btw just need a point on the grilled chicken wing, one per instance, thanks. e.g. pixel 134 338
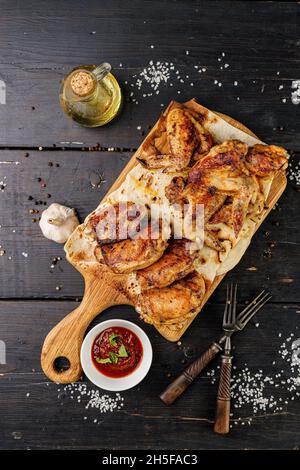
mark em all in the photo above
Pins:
pixel 176 263
pixel 205 140
pixel 184 134
pixel 224 170
pixel 173 304
pixel 219 173
pixel 129 255
pixel 220 167
pixel 264 160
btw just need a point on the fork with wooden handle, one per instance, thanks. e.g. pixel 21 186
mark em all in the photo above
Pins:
pixel 184 380
pixel 221 425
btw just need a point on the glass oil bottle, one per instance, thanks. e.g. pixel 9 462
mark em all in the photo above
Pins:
pixel 91 95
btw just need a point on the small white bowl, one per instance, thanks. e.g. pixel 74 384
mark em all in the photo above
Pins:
pixel 121 383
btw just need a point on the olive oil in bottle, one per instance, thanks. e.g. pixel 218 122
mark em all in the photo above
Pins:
pixel 91 95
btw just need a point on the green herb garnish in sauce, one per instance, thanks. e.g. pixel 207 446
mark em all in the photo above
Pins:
pixel 105 360
pixel 113 357
pixel 113 339
pixel 122 351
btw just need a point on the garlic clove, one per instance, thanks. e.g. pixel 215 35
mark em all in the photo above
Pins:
pixel 58 222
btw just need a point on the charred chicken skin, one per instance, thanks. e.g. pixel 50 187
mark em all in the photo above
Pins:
pixel 220 173
pixel 118 222
pixel 173 304
pixel 126 240
pixel 175 264
pixel 132 254
pixel 264 160
pixel 185 136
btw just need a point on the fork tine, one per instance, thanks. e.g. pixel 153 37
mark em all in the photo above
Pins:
pixel 249 306
pixel 256 307
pixel 255 311
pixel 226 305
pixel 233 313
pixel 247 311
pixel 229 306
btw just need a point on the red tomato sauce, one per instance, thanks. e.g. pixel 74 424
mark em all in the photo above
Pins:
pixel 116 352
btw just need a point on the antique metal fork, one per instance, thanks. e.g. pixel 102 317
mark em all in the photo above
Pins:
pixel 184 380
pixel 221 425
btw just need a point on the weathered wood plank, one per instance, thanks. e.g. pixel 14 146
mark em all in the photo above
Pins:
pixel 48 418
pixel 70 183
pixel 42 41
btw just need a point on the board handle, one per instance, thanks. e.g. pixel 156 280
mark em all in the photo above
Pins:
pixel 65 339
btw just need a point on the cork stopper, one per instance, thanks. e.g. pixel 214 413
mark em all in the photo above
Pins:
pixel 82 83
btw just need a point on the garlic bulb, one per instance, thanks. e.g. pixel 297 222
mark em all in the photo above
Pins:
pixel 58 222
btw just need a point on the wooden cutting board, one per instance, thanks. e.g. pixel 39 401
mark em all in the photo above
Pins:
pixel 102 290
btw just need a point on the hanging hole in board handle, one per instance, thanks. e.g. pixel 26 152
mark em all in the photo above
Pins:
pixel 61 364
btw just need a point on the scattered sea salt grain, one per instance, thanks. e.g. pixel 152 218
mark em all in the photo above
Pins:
pixel 294 172
pixel 157 75
pixel 256 390
pixel 283 100
pixel 91 398
pixel 280 87
pixel 226 66
pixel 235 83
pixel 24 254
pixel 154 75
pixel 295 95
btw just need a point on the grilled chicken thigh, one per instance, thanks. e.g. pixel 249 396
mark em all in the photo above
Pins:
pixel 132 254
pixel 126 240
pixel 173 304
pixel 176 263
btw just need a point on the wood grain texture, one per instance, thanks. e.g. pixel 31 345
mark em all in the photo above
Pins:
pixel 49 418
pixel 42 41
pixel 222 419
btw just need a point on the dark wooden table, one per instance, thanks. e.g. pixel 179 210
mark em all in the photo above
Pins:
pixel 45 157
